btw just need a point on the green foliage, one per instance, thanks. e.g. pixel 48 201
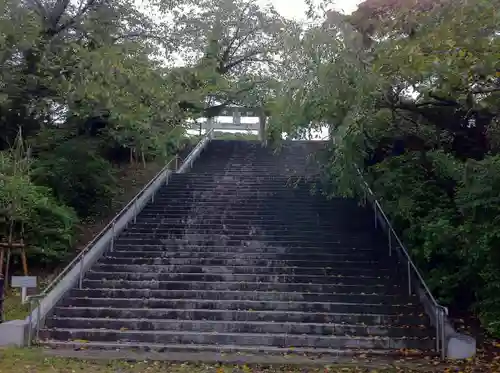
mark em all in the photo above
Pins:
pixel 30 212
pixel 78 177
pixel 409 92
pixel 94 83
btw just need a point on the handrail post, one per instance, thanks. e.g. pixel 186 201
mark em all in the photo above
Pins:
pixel 438 330
pixel 112 243
pixel 38 319
pixel 80 281
pixel 390 240
pixel 409 278
pixel 30 331
pixel 443 336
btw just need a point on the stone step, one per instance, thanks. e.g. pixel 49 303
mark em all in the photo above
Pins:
pixel 208 326
pixel 155 223
pixel 236 177
pixel 320 220
pixel 297 216
pixel 280 170
pixel 265 355
pixel 238 295
pixel 197 225
pixel 338 272
pixel 218 238
pixel 241 189
pixel 242 202
pixel 203 221
pixel 222 184
pixel 277 316
pixel 250 305
pixel 154 211
pixel 389 290
pixel 254 230
pixel 229 211
pixel 254 248
pixel 226 169
pixel 220 218
pixel 239 339
pixel 247 187
pixel 288 195
pixel 240 261
pixel 326 220
pixel 223 240
pixel 241 206
pixel 94 274
pixel 255 233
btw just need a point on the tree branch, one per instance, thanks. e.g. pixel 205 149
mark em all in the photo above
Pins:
pixel 82 10
pixel 39 7
pixel 137 34
pixel 239 61
pixel 477 91
pixel 57 12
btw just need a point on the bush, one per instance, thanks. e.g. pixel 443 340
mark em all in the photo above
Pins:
pixel 30 212
pixel 78 176
pixel 448 213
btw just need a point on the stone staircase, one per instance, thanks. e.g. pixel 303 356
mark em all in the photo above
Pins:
pixel 231 258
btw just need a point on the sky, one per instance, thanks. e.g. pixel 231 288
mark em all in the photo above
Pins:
pixel 297 8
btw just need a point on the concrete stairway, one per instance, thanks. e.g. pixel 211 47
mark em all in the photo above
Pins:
pixel 231 258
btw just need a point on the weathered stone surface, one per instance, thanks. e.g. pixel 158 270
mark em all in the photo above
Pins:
pixel 237 255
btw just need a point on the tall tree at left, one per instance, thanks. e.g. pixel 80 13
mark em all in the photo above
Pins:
pixel 78 57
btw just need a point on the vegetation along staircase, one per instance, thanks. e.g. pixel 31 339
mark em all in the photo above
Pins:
pixel 232 258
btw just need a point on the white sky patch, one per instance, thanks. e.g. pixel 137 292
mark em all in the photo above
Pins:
pixel 296 9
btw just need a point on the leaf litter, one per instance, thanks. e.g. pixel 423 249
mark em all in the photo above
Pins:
pixel 37 361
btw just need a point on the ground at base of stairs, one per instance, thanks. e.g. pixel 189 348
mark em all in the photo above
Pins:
pixel 41 361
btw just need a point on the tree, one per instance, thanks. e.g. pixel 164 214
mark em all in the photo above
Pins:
pixel 78 78
pixel 411 97
pixel 82 59
pixel 229 46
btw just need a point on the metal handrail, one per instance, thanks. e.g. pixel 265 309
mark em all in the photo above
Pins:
pixel 440 312
pixel 108 226
pixel 80 258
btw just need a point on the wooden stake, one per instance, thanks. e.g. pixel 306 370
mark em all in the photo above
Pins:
pixel 23 252
pixel 2 253
pixel 7 264
pixel 25 261
pixel 12 245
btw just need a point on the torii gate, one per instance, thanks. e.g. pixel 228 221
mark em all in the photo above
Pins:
pixel 236 112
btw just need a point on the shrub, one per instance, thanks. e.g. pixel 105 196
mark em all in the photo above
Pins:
pixel 78 176
pixel 31 212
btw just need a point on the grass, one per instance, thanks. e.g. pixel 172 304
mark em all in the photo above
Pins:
pixel 35 361
pixel 12 307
